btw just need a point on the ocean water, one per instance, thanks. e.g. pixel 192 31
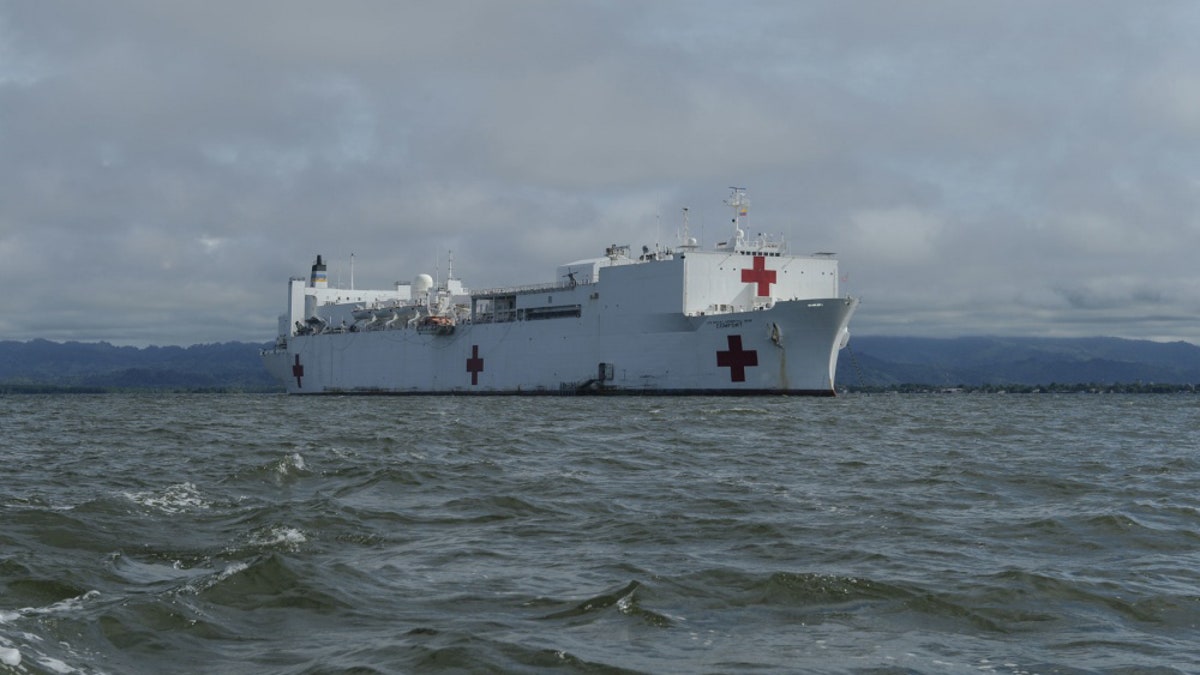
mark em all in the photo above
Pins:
pixel 863 534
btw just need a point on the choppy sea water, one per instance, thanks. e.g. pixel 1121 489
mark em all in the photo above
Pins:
pixel 863 534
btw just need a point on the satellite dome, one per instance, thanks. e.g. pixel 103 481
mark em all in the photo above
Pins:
pixel 421 284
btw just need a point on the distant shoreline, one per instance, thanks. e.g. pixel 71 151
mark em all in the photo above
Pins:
pixel 54 389
pixel 1132 388
pixel 1053 388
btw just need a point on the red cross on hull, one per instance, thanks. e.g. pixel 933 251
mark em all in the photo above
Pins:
pixel 474 364
pixel 759 274
pixel 298 372
pixel 737 359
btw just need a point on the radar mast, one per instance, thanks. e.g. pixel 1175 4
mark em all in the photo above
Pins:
pixel 740 205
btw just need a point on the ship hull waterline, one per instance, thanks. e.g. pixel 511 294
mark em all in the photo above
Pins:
pixel 788 349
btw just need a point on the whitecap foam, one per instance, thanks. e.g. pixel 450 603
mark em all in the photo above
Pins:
pixel 55 665
pixel 293 462
pixel 287 468
pixel 287 537
pixel 233 569
pixel 172 499
pixel 69 604
pixel 201 584
pixel 10 654
pixel 625 604
pixel 66 605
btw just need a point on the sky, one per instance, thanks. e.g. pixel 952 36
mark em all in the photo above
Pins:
pixel 1015 167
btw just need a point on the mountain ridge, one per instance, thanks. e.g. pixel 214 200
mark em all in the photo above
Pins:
pixel 882 361
pixel 100 365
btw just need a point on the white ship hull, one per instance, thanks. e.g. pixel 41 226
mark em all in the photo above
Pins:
pixel 789 349
pixel 742 318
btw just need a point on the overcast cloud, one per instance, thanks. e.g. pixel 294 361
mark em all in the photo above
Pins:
pixel 1010 167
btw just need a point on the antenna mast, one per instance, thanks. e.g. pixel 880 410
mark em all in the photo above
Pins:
pixel 685 239
pixel 740 205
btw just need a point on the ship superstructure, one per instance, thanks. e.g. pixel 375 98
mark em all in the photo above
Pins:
pixel 743 317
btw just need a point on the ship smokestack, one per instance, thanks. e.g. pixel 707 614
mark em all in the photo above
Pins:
pixel 318 278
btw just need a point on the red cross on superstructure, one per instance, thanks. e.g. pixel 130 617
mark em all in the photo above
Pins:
pixel 737 359
pixel 298 372
pixel 761 275
pixel 474 364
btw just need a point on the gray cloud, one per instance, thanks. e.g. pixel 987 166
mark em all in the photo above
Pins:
pixel 1009 167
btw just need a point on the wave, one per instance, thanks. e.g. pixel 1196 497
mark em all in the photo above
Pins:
pixel 861 534
pixel 438 651
pixel 171 499
pixel 282 470
pixel 278 537
pixel 270 582
pixel 623 600
pixel 23 651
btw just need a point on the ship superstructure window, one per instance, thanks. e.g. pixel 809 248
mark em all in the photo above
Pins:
pixel 556 312
pixel 494 309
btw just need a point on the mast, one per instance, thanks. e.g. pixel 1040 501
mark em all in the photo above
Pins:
pixel 740 205
pixel 686 241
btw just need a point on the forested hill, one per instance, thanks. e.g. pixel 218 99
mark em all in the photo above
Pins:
pixel 870 361
pixel 976 361
pixel 99 365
